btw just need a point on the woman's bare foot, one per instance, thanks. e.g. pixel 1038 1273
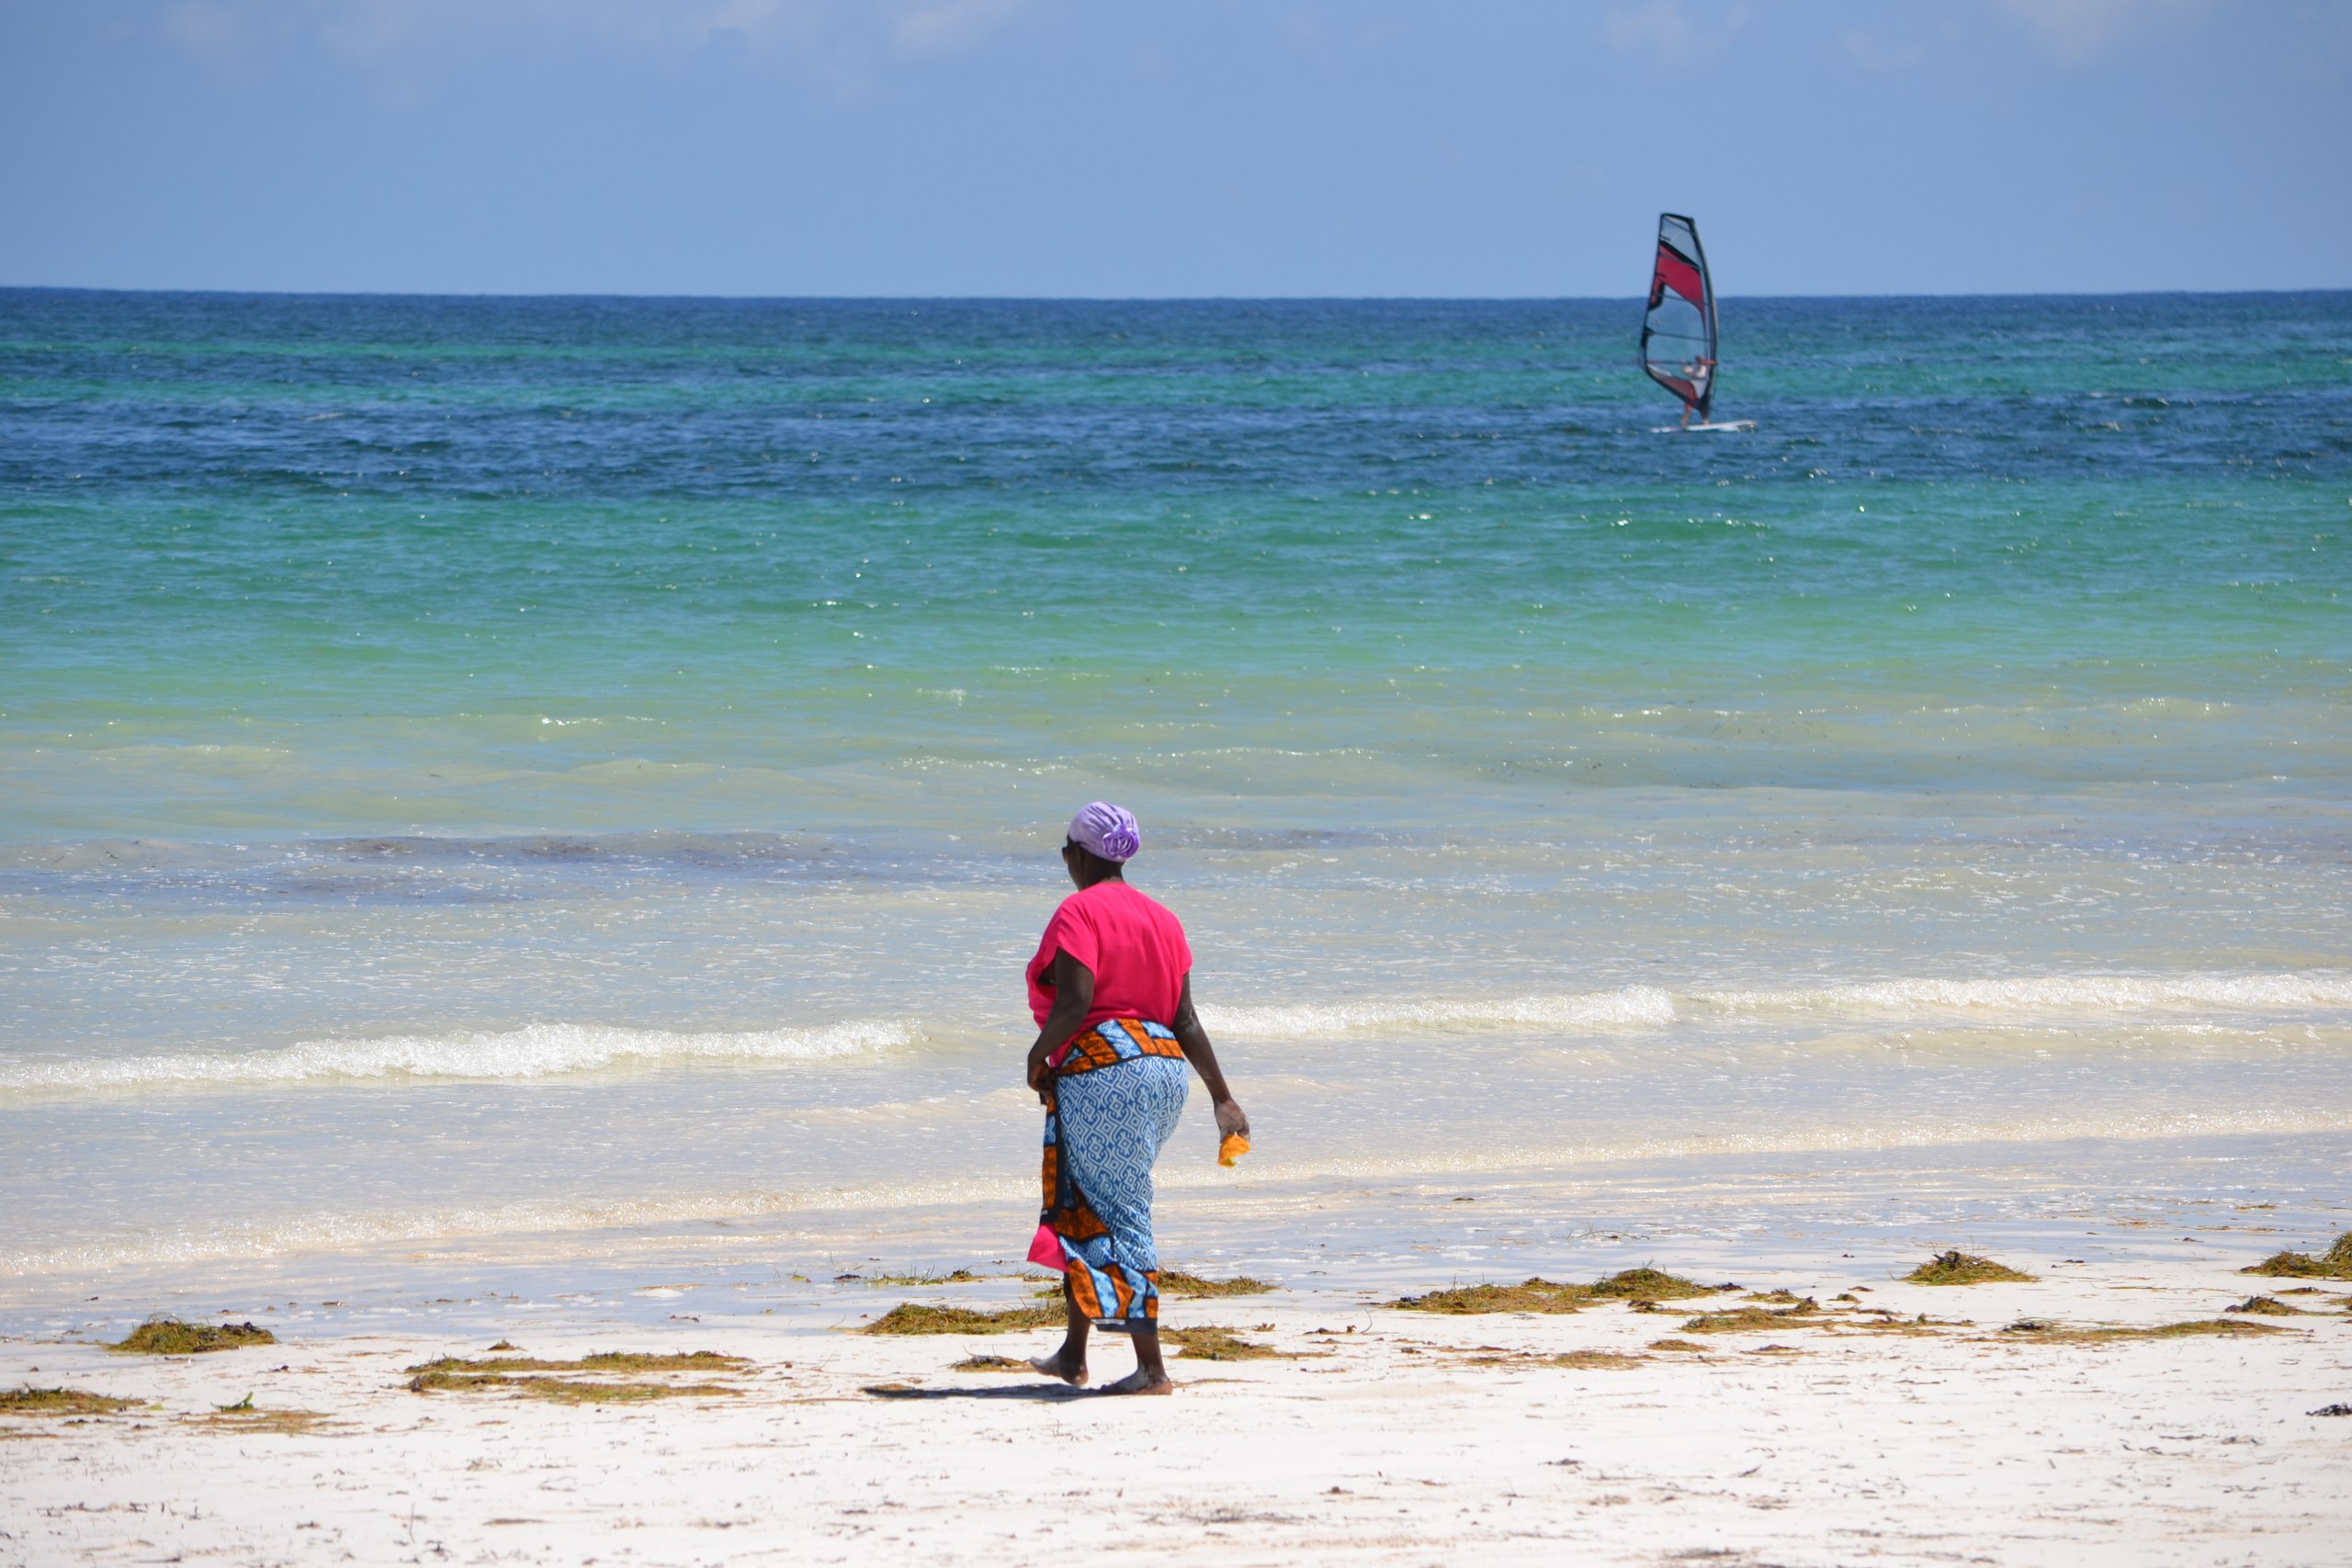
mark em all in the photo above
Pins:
pixel 1139 1382
pixel 1060 1364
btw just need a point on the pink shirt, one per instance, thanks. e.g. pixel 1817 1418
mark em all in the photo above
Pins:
pixel 1133 944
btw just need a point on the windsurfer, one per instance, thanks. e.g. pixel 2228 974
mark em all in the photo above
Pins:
pixel 1693 371
pixel 1678 347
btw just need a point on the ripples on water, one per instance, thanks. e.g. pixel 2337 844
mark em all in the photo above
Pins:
pixel 442 737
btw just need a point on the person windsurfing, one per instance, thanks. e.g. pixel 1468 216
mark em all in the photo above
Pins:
pixel 1678 347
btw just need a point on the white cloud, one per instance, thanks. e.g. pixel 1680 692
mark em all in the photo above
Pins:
pixel 2077 29
pixel 1662 29
pixel 1654 26
pixel 410 35
pixel 955 25
pixel 203 29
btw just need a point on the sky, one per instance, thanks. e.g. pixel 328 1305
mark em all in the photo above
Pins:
pixel 1172 147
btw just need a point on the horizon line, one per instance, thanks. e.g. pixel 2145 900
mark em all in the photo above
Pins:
pixel 7 288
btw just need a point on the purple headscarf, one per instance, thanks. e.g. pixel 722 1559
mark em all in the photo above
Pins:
pixel 1107 831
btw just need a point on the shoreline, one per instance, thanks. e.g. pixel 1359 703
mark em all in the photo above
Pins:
pixel 2237 1193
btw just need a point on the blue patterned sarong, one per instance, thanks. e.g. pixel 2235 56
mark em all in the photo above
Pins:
pixel 1115 1102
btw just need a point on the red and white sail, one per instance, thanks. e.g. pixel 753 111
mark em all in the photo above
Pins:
pixel 1678 328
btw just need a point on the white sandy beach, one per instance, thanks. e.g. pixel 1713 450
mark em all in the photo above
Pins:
pixel 1387 1436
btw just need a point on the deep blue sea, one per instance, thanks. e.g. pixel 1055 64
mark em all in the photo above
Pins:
pixel 514 767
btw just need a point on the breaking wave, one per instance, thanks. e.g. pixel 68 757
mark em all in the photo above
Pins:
pixel 545 1050
pixel 2088 997
pixel 1634 1007
pixel 534 1051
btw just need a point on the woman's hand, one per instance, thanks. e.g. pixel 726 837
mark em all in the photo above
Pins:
pixel 1230 1119
pixel 1038 1072
pixel 1186 1026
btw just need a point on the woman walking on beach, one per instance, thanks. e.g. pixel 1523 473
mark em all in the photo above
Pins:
pixel 1111 987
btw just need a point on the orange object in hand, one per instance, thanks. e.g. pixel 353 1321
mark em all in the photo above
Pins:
pixel 1234 1146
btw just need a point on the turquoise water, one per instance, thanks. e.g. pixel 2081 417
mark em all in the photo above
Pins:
pixel 488 766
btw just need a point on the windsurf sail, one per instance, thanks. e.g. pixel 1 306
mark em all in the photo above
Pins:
pixel 1678 329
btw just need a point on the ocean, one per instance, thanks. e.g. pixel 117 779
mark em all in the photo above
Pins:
pixel 542 779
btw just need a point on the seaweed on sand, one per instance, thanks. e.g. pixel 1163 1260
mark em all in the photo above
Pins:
pixel 1176 1282
pixel 1676 1345
pixel 170 1337
pixel 1496 1356
pixel 30 1400
pixel 1957 1267
pixel 1536 1295
pixel 246 1417
pixel 993 1364
pixel 602 1361
pixel 1647 1284
pixel 916 1317
pixel 2268 1306
pixel 567 1390
pixel 1806 1312
pixel 1632 1285
pixel 587 1382
pixel 1878 1320
pixel 2039 1329
pixel 1216 1343
pixel 903 1281
pixel 1754 1315
pixel 2336 1263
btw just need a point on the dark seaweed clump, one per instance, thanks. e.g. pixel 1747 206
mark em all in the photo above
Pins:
pixel 30 1400
pixel 1545 1296
pixel 1957 1267
pixel 914 1317
pixel 1646 1284
pixel 1534 1295
pixel 586 1384
pixel 1215 1344
pixel 601 1361
pixel 2336 1263
pixel 170 1336
pixel 2042 1328
pixel 1176 1282
pixel 1805 1312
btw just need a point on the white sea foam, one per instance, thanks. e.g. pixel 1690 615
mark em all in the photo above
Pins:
pixel 543 1050
pixel 556 1223
pixel 2084 997
pixel 534 1051
pixel 1634 1006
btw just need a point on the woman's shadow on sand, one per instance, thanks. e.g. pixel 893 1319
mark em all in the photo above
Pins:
pixel 1046 1392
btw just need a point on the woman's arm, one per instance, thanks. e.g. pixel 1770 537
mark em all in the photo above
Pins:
pixel 1073 988
pixel 1203 1055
